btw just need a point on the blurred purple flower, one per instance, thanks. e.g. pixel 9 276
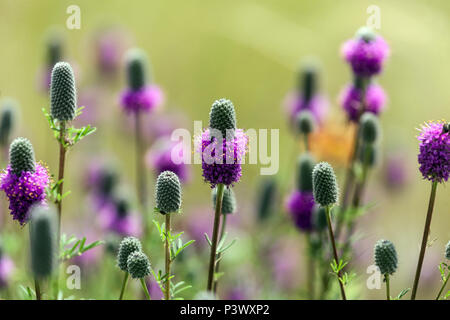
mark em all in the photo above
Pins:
pixel 350 100
pixel 300 205
pixel 284 259
pixel 110 45
pixel 115 216
pixel 199 222
pixel 6 270
pixel 153 289
pixel 236 293
pixel 396 171
pixel 146 99
pixel 294 103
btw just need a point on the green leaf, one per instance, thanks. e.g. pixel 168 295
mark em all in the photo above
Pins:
pixel 402 293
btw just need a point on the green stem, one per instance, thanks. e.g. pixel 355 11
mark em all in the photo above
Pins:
pixel 311 269
pixel 124 285
pixel 388 295
pixel 306 142
pixel 144 286
pixel 222 233
pixel 443 286
pixel 333 244
pixel 168 257
pixel 141 181
pixel 426 231
pixel 215 236
pixel 37 289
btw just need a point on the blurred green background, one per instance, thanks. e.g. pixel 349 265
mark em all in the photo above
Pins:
pixel 249 51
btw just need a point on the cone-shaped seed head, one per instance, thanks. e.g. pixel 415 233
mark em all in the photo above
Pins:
pixel 447 251
pixel 370 128
pixel 127 247
pixel 305 122
pixel 136 64
pixel 43 241
pixel 168 192
pixel 385 257
pixel 308 81
pixel 325 188
pixel 366 34
pixel 63 93
pixel 369 152
pixel 305 166
pixel 266 198
pixel 228 201
pixel 54 49
pixel 7 120
pixel 222 116
pixel 138 265
pixel 21 156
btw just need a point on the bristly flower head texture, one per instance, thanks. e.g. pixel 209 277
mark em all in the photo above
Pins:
pixel 24 180
pixel 139 96
pixel 63 93
pixel 447 251
pixel 228 200
pixel 127 247
pixel 325 188
pixel 350 100
pixel 222 146
pixel 138 265
pixel 434 154
pixel 301 205
pixel 168 192
pixel 370 128
pixel 43 241
pixel 385 257
pixel 366 53
pixel 7 120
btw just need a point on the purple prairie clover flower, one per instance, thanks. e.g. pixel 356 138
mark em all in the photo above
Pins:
pixel 144 99
pixel 110 44
pixel 318 105
pixel 6 270
pixel 434 155
pixel 116 217
pixel 350 100
pixel 225 167
pixel 25 190
pixel 366 53
pixel 159 157
pixel 300 205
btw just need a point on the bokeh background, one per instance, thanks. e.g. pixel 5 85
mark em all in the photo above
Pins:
pixel 249 52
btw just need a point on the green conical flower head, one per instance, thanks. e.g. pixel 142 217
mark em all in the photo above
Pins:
pixel 136 64
pixel 54 49
pixel 305 166
pixel 127 247
pixel 369 152
pixel 305 122
pixel 138 265
pixel 366 34
pixel 266 198
pixel 168 192
pixel 7 120
pixel 222 116
pixel 447 251
pixel 63 93
pixel 43 241
pixel 325 188
pixel 385 257
pixel 21 156
pixel 370 128
pixel 228 200
pixel 308 81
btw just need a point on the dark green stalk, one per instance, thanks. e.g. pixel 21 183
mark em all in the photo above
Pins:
pixel 426 231
pixel 222 232
pixel 336 258
pixel 124 285
pixel 215 236
pixel 37 289
pixel 443 286
pixel 62 160
pixel 388 295
pixel 168 258
pixel 144 286
pixel 311 269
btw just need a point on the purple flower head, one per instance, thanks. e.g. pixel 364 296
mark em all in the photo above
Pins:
pixel 365 53
pixel 396 171
pixel 116 216
pixel 110 46
pixel 318 105
pixel 144 99
pixel 301 206
pixel 221 160
pixel 6 270
pixel 350 100
pixel 434 155
pixel 25 190
pixel 159 157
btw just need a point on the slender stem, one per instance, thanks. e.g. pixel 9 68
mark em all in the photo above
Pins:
pixel 144 286
pixel 388 295
pixel 311 269
pixel 215 236
pixel 62 161
pixel 426 231
pixel 222 233
pixel 443 286
pixel 141 184
pixel 37 289
pixel 124 285
pixel 333 244
pixel 168 258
